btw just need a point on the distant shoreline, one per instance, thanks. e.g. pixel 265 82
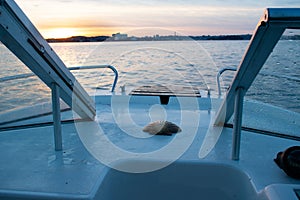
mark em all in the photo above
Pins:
pixel 159 38
pixel 149 38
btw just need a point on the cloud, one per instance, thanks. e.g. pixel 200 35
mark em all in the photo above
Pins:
pixel 190 16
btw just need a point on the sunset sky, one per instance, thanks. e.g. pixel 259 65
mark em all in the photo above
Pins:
pixel 65 18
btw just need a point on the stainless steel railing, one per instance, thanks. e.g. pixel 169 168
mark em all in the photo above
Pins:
pixel 100 66
pixel 221 71
pixel 27 75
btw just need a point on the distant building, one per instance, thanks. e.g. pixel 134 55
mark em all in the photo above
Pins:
pixel 119 36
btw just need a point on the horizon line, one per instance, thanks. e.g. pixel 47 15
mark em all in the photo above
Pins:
pixel 150 36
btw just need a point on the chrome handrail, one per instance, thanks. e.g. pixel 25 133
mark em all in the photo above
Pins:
pixel 221 71
pixel 15 77
pixel 27 75
pixel 98 67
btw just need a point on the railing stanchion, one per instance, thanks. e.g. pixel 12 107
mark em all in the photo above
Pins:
pixel 56 117
pixel 237 123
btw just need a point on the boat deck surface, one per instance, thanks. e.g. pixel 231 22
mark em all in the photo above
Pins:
pixel 29 163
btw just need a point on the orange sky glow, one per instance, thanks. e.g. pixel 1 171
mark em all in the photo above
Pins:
pixel 65 18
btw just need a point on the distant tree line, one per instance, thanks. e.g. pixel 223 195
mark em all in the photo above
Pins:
pixel 162 38
pixel 222 37
pixel 79 39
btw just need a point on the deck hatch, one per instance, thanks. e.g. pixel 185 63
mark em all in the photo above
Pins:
pixel 165 92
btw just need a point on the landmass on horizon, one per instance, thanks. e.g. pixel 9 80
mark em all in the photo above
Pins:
pixel 125 37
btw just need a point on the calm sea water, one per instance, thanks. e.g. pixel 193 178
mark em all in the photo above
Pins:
pixel 159 62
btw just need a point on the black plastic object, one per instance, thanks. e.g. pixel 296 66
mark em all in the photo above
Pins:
pixel 289 161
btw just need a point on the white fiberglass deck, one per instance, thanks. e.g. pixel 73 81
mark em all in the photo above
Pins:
pixel 186 165
pixel 29 166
